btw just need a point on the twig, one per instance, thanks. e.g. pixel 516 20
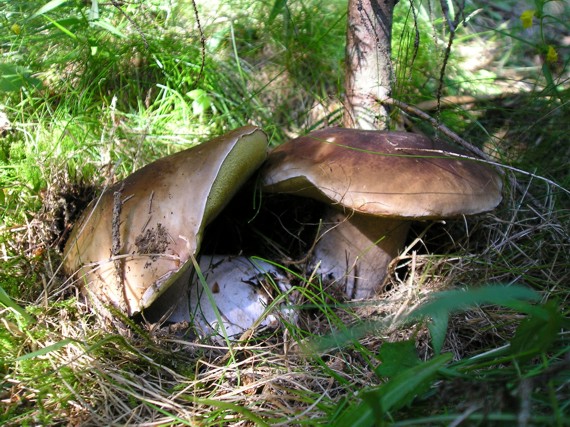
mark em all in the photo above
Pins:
pixel 453 100
pixel 490 162
pixel 118 5
pixel 442 128
pixel 452 27
pixel 202 44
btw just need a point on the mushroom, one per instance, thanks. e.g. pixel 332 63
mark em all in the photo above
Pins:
pixel 241 289
pixel 375 183
pixel 138 238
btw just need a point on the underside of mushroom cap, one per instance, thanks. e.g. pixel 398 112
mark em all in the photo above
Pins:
pixel 135 240
pixel 393 174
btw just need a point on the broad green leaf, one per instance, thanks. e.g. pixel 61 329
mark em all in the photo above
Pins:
pixel 346 335
pixel 6 301
pixel 455 300
pixel 439 305
pixel 401 389
pixel 106 25
pixel 196 93
pixel 201 101
pixel 438 329
pixel 45 350
pixel 397 357
pixel 359 415
pixel 277 8
pixel 14 77
pixel 48 7
pixel 536 334
pixel 392 395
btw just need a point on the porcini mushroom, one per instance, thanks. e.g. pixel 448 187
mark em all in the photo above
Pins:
pixel 375 183
pixel 134 241
pixel 238 294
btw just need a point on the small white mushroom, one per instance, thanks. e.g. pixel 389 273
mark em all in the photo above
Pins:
pixel 137 239
pixel 241 289
pixel 375 183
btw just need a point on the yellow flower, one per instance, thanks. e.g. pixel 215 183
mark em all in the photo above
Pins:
pixel 551 55
pixel 16 29
pixel 526 18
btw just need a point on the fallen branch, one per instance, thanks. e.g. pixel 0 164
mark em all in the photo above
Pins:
pixel 436 124
pixel 455 100
pixel 470 147
pixel 490 162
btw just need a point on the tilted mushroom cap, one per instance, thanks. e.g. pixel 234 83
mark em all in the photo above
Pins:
pixel 159 214
pixel 394 174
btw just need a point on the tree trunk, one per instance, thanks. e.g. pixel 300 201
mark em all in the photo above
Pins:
pixel 368 63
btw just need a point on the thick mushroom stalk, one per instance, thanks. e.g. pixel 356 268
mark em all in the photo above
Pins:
pixel 354 249
pixel 137 239
pixel 377 182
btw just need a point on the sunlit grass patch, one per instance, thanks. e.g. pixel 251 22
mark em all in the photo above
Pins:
pixel 116 98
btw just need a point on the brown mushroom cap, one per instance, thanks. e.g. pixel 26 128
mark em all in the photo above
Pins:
pixel 393 174
pixel 165 207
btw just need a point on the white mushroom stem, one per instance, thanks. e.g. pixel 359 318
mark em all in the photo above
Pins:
pixel 355 250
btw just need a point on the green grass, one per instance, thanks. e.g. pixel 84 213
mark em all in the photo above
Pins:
pixel 122 90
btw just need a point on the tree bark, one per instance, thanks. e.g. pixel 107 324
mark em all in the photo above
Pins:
pixel 369 74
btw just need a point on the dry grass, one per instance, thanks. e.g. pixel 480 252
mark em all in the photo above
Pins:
pixel 70 368
pixel 146 375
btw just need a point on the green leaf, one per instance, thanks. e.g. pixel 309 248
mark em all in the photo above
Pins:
pixel 277 8
pixel 45 350
pixel 548 77
pixel 60 26
pixel 401 389
pixel 438 329
pixel 6 301
pixel 392 395
pixel 397 357
pixel 201 101
pixel 536 334
pixel 455 300
pixel 48 7
pixel 196 93
pixel 439 305
pixel 14 77
pixel 360 415
pixel 106 25
pixel 212 301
